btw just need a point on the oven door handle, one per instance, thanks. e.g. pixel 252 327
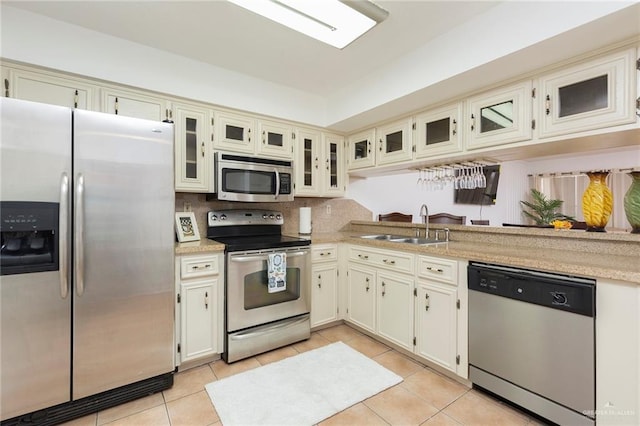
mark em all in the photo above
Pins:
pixel 268 329
pixel 265 256
pixel 277 183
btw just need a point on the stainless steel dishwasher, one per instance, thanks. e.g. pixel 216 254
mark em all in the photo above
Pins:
pixel 532 340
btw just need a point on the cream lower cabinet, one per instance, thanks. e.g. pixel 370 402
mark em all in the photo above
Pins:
pixel 324 284
pixel 617 353
pixel 380 293
pixel 199 306
pixel 441 313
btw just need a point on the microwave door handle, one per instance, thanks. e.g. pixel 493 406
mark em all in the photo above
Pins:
pixel 277 183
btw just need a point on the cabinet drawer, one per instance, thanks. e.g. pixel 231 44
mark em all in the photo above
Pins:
pixel 324 253
pixel 198 266
pixel 443 270
pixel 391 260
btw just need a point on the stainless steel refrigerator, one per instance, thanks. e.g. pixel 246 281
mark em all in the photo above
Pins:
pixel 86 272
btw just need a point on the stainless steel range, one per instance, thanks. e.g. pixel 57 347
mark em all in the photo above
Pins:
pixel 268 278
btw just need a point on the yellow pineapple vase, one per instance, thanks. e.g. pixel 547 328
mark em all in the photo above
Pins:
pixel 597 202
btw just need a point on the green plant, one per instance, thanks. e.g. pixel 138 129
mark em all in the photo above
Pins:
pixel 543 210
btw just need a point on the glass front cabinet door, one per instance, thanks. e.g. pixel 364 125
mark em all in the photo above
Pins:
pixel 394 142
pixel 439 131
pixel 275 139
pixel 334 174
pixel 500 116
pixel 192 157
pixel 589 95
pixel 234 132
pixel 362 151
pixel 308 152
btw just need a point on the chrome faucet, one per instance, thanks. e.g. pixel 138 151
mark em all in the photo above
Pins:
pixel 424 213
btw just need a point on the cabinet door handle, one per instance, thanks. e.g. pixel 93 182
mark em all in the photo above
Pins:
pixel 75 99
pixel 454 127
pixel 369 146
pixel 206 300
pixel 362 256
pixel 367 281
pixel 429 268
pixel 316 162
pixel 547 105
pixel 426 301
pixel 473 122
pixel 264 138
pixel 319 281
pixel 202 149
pixel 389 262
pixel 327 164
pixel 383 289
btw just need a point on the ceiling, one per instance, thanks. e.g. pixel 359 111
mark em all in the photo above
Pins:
pixel 228 36
pixel 426 51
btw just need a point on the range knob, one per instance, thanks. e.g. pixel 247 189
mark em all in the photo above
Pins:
pixel 559 298
pixel 223 216
pixel 278 217
pixel 214 217
pixel 264 216
pixel 271 216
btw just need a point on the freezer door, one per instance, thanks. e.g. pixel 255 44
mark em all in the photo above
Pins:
pixel 124 247
pixel 35 307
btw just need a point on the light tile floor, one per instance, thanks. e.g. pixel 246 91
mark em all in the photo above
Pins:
pixel 423 398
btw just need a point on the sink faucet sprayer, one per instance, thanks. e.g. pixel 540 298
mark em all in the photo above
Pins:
pixel 424 213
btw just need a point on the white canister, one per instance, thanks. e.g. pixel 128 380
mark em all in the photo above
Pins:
pixel 305 220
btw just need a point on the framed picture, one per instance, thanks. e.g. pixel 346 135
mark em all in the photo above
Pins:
pixel 186 227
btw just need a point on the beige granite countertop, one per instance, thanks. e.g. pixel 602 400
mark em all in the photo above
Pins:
pixel 205 245
pixel 622 265
pixel 605 266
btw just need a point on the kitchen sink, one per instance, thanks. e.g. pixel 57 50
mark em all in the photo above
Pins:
pixel 418 241
pixel 402 239
pixel 387 237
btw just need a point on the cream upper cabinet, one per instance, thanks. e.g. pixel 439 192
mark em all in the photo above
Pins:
pixel 234 132
pixel 587 96
pixel 275 139
pixel 333 176
pixel 500 116
pixel 134 104
pixel 361 150
pixel 439 131
pixel 394 142
pixel 308 153
pixel 319 164
pixel 193 159
pixel 48 89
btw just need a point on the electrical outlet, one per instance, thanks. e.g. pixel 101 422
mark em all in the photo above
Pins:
pixel 187 207
pixel 328 209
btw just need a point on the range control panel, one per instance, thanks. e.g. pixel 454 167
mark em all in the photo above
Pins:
pixel 244 217
pixel 573 294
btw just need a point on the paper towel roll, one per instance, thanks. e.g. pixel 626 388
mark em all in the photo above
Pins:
pixel 305 220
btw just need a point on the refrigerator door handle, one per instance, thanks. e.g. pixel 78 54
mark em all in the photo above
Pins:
pixel 63 229
pixel 79 235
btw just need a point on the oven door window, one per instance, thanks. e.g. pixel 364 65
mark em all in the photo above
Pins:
pixel 248 181
pixel 256 294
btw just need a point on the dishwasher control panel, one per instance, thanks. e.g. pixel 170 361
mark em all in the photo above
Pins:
pixel 572 294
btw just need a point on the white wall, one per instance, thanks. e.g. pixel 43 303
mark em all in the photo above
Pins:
pixel 399 192
pixel 38 40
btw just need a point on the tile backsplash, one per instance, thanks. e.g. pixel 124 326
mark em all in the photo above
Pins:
pixel 327 214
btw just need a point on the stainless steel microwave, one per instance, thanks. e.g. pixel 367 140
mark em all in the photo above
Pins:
pixel 253 179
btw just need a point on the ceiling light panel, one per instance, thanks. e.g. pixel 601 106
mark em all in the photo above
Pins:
pixel 329 21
